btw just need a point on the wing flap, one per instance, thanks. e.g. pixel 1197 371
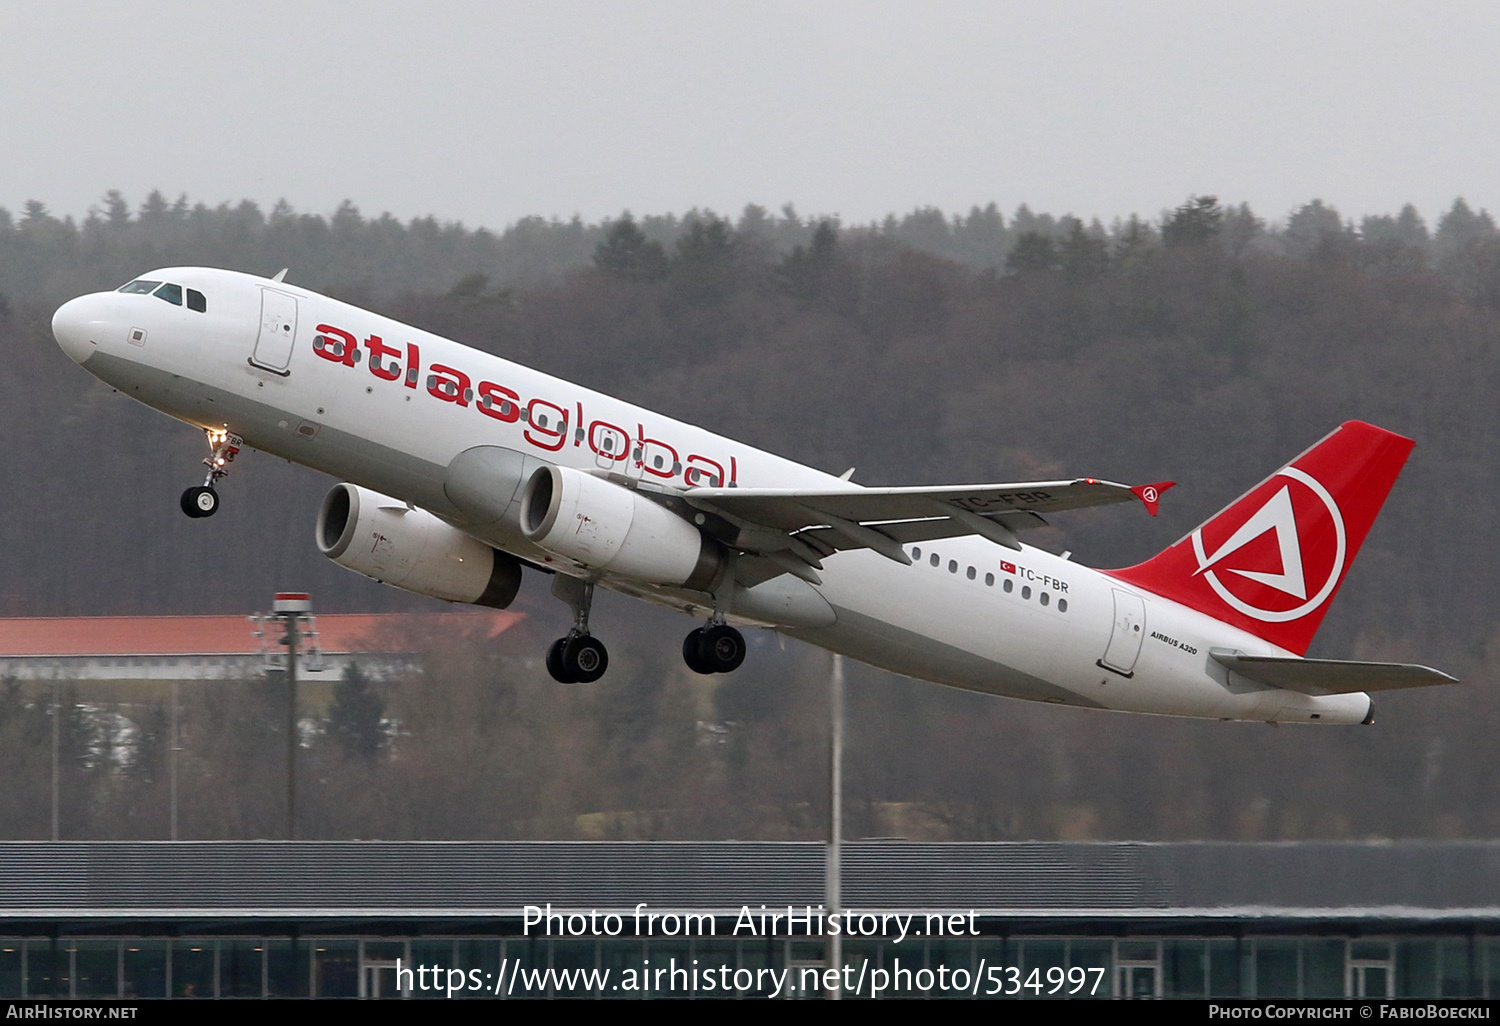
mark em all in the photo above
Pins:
pixel 1329 676
pixel 933 529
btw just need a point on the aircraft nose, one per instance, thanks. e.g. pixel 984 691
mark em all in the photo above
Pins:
pixel 76 325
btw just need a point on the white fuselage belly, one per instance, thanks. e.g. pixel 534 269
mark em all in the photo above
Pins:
pixel 922 620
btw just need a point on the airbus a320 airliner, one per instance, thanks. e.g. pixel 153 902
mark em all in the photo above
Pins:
pixel 461 469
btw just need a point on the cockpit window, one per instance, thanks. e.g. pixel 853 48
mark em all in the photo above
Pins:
pixel 196 301
pixel 140 286
pixel 171 293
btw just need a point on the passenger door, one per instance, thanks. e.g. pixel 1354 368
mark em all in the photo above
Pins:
pixel 1125 638
pixel 278 330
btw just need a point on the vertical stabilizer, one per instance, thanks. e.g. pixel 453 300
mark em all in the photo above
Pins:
pixel 1272 561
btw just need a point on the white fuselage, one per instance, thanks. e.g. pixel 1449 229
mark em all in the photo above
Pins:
pixel 949 617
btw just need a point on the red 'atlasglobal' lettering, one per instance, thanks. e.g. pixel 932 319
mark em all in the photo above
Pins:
pixel 696 474
pixel 609 441
pixel 656 463
pixel 413 364
pixel 499 402
pixel 334 344
pixel 449 385
pixel 547 422
pixel 378 352
pixel 554 431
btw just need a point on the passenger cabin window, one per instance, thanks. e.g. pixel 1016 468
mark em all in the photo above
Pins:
pixel 140 287
pixel 197 301
pixel 171 293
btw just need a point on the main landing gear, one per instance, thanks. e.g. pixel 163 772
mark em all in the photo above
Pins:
pixel 579 658
pixel 203 500
pixel 717 648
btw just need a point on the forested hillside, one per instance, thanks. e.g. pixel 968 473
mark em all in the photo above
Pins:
pixel 1206 345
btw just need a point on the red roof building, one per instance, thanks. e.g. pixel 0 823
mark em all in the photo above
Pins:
pixel 217 647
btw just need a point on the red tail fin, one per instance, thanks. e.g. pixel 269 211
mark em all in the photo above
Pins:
pixel 1271 562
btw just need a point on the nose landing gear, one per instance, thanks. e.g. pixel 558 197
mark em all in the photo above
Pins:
pixel 579 658
pixel 203 500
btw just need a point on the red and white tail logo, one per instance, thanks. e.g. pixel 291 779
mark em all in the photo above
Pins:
pixel 1271 562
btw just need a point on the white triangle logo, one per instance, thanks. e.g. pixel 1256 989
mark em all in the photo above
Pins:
pixel 1276 515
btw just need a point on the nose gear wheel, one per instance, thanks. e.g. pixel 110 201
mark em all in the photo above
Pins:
pixel 203 501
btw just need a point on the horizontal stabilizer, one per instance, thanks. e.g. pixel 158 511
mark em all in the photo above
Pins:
pixel 1329 676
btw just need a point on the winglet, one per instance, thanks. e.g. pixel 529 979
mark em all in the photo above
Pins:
pixel 1150 494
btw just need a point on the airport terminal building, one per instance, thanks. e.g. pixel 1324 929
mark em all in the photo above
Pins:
pixel 691 919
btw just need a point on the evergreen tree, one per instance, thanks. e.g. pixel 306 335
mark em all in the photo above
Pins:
pixel 1032 252
pixel 707 258
pixel 116 211
pixel 1083 255
pixel 1133 238
pixel 1240 228
pixel 805 269
pixel 356 717
pixel 1317 232
pixel 1464 247
pixel 1395 243
pixel 627 252
pixel 1195 222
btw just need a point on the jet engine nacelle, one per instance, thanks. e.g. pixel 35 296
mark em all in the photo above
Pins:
pixel 603 526
pixel 397 544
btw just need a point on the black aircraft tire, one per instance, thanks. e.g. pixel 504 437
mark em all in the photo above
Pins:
pixel 691 649
pixel 585 658
pixel 556 665
pixel 721 648
pixel 200 502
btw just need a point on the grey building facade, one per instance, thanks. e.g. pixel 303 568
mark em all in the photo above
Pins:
pixel 365 918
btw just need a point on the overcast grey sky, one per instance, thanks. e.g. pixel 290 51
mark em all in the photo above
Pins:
pixel 486 112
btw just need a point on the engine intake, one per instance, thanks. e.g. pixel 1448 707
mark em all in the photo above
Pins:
pixel 409 548
pixel 603 526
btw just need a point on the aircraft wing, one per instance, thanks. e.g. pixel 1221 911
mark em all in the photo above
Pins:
pixel 796 528
pixel 1330 676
